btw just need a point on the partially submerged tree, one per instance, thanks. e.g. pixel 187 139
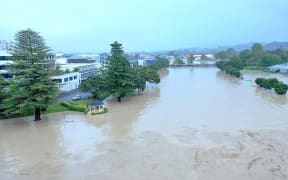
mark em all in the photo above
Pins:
pixel 159 64
pixel 97 86
pixel 143 75
pixel 270 60
pixel 31 88
pixel 118 73
pixel 190 59
pixel 178 61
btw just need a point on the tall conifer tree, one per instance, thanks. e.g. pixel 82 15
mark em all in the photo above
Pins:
pixel 31 88
pixel 118 73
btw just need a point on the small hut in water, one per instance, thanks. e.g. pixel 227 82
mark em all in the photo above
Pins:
pixel 96 106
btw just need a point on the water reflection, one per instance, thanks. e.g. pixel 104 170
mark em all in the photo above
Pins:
pixel 221 76
pixel 25 143
pixel 270 96
pixel 163 73
pixel 118 123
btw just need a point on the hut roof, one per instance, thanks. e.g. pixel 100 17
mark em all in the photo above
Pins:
pixel 97 103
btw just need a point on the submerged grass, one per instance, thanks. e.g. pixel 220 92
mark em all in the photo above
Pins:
pixel 256 68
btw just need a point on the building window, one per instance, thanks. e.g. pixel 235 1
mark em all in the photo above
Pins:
pixel 57 80
pixel 65 79
pixel 70 78
pixel 75 77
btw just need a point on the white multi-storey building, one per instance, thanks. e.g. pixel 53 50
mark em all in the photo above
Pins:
pixel 5 61
pixel 68 81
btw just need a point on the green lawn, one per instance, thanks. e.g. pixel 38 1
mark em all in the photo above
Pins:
pixel 56 107
pixel 255 68
pixel 84 101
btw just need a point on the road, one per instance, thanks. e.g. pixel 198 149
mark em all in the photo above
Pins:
pixel 69 96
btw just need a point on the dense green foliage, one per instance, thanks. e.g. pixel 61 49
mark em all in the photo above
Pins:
pixel 233 66
pixel 178 61
pixel 272 83
pixel 118 73
pixel 143 75
pixel 159 64
pixel 97 86
pixel 31 88
pixel 119 78
pixel 256 57
pixel 270 60
pixel 281 88
pixel 223 55
pixel 103 94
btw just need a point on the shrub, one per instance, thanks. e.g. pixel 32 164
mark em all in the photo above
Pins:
pixel 229 67
pixel 273 83
pixel 265 84
pixel 236 73
pixel 281 88
pixel 259 81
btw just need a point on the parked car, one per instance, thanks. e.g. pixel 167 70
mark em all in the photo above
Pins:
pixel 77 97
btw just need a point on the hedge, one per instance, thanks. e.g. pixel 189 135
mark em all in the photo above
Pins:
pixel 281 88
pixel 272 83
pixel 228 68
pixel 76 107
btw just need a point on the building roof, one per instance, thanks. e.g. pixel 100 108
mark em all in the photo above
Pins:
pixel 97 103
pixel 77 57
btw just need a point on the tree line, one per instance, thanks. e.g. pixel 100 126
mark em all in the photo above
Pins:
pixel 256 57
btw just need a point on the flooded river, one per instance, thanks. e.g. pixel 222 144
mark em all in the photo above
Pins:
pixel 198 123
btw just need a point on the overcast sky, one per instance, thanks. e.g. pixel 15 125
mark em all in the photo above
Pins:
pixel 149 25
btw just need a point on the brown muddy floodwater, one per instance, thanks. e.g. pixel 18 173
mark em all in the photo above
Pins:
pixel 198 123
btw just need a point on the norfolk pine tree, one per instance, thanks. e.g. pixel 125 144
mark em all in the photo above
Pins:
pixel 118 73
pixel 32 87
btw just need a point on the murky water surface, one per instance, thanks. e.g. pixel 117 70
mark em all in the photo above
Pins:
pixel 198 123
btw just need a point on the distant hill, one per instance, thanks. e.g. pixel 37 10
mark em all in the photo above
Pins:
pixel 267 46
pixel 276 45
pixel 238 47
